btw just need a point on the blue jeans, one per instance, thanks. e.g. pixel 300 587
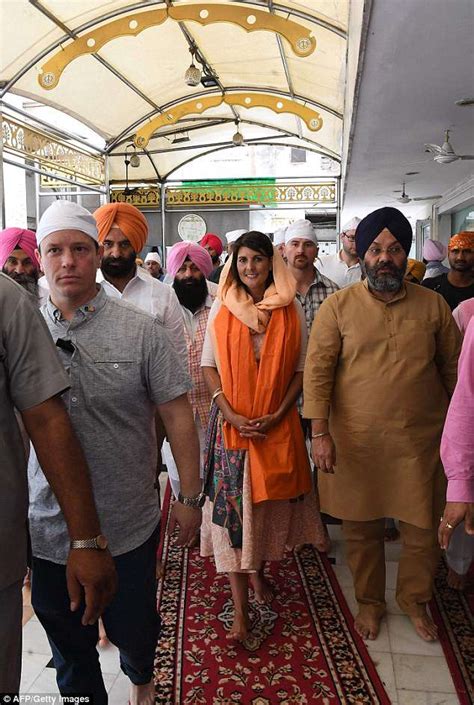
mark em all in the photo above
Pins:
pixel 131 622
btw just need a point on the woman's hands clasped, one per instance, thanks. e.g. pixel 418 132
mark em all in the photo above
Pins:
pixel 253 428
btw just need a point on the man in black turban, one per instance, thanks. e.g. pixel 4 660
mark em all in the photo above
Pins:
pixel 380 366
pixel 383 241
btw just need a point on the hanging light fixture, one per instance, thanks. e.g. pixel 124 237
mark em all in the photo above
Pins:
pixel 237 138
pixel 132 160
pixel 192 76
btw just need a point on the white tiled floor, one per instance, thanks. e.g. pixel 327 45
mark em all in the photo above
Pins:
pixel 413 672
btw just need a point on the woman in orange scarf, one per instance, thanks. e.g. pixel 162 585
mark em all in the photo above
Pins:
pixel 258 478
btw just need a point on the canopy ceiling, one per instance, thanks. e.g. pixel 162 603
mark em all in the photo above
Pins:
pixel 131 80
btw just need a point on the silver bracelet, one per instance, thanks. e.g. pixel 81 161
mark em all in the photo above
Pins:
pixel 320 435
pixel 216 394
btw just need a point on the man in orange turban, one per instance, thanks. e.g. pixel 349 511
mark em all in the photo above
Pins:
pixel 457 285
pixel 129 219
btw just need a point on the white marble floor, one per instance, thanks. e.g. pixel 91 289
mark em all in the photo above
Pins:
pixel 413 672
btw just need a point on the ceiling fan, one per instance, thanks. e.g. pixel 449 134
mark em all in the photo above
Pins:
pixel 405 198
pixel 445 154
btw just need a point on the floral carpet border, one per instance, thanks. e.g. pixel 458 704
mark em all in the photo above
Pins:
pixel 453 613
pixel 305 651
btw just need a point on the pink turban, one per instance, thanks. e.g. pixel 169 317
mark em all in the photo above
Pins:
pixel 13 238
pixel 213 241
pixel 184 250
pixel 434 251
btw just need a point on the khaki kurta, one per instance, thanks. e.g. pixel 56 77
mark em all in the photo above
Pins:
pixel 382 373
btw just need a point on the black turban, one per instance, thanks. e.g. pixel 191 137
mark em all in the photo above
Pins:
pixel 373 224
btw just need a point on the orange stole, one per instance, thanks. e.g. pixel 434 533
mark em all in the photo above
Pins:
pixel 279 465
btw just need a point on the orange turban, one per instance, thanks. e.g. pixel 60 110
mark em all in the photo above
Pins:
pixel 129 219
pixel 462 241
pixel 416 268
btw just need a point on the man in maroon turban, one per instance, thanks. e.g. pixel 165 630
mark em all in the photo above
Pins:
pixel 213 244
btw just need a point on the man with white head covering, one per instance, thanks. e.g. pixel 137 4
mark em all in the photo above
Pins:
pixel 232 236
pixel 312 288
pixel 153 265
pixel 301 250
pixel 344 266
pixel 122 367
pixel 32 379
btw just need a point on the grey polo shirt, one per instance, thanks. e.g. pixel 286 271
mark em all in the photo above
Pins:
pixel 30 373
pixel 121 365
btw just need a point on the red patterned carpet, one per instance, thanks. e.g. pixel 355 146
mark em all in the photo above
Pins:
pixel 302 647
pixel 453 612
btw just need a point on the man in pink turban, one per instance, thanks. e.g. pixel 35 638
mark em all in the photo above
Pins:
pixel 189 264
pixel 18 259
pixel 434 252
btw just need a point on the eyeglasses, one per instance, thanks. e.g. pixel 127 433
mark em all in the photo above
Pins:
pixel 393 250
pixel 351 238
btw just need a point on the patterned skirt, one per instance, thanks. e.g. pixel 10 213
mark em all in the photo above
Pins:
pixel 242 535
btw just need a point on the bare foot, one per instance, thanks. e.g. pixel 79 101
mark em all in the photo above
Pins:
pixel 142 694
pixel 103 640
pixel 262 588
pixel 239 629
pixel 456 581
pixel 324 546
pixel 425 627
pixel 367 625
pixel 391 533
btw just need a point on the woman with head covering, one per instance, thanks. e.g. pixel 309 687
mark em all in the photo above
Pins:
pixel 434 252
pixel 258 481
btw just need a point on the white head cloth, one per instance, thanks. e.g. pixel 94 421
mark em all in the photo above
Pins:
pixel 351 224
pixel 301 230
pixel 234 235
pixel 279 236
pixel 66 215
pixel 153 257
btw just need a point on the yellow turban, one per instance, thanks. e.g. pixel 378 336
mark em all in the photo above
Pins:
pixel 129 219
pixel 462 241
pixel 416 268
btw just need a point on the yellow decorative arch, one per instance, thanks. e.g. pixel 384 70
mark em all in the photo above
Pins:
pixel 299 37
pixel 312 118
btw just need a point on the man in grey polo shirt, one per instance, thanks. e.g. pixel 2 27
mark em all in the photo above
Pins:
pixel 31 377
pixel 121 368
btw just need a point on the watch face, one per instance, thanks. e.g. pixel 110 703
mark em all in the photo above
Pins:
pixel 102 542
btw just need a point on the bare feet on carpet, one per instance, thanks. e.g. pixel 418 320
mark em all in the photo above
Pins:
pixel 455 581
pixel 160 570
pixel 142 694
pixel 367 625
pixel 262 588
pixel 103 639
pixel 425 627
pixel 240 628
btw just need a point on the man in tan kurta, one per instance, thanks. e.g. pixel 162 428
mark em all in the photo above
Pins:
pixel 380 367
